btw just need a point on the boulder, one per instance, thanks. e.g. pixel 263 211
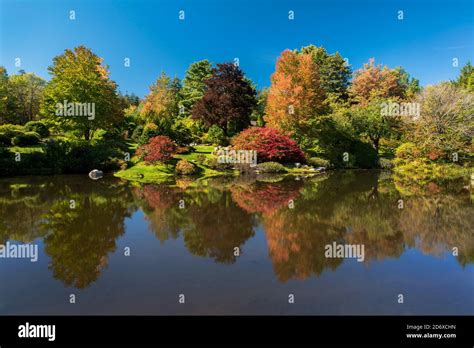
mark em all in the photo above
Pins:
pixel 96 174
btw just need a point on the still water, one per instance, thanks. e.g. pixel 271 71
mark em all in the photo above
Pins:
pixel 237 246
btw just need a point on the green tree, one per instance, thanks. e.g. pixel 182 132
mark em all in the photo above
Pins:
pixel 259 111
pixel 408 85
pixel 26 93
pixel 78 76
pixel 3 95
pixel 466 77
pixel 369 122
pixel 194 85
pixel 20 96
pixel 334 71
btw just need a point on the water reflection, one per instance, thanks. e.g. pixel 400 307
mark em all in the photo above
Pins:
pixel 78 222
pixel 214 217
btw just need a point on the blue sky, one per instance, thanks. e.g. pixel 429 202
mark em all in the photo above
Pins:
pixel 150 33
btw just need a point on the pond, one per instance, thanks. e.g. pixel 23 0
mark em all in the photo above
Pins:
pixel 242 245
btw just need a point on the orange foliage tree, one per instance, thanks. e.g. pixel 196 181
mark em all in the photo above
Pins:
pixel 374 81
pixel 295 95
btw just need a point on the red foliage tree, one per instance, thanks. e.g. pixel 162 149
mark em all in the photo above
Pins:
pixel 159 148
pixel 228 101
pixel 269 144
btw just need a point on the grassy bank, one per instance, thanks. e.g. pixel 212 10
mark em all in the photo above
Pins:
pixel 159 172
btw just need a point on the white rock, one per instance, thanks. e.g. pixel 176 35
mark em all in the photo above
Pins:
pixel 96 174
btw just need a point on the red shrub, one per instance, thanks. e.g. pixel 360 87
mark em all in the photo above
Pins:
pixel 269 144
pixel 159 148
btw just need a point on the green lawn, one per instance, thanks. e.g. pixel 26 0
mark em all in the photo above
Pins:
pixel 158 173
pixel 205 150
pixel 161 172
pixel 147 173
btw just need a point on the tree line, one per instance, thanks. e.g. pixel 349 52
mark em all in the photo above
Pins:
pixel 314 97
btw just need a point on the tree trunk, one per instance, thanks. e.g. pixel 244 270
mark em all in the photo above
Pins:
pixel 87 133
pixel 375 145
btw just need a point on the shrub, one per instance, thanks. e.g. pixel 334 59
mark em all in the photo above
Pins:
pixel 39 127
pixel 181 134
pixel 408 151
pixel 213 163
pixel 201 158
pixel 26 139
pixel 137 132
pixel 364 155
pixel 5 139
pixel 149 131
pixel 319 162
pixel 12 128
pixel 271 146
pixel 56 152
pixel 182 149
pixel 184 167
pixel 385 163
pixel 215 135
pixel 8 132
pixel 271 167
pixel 160 148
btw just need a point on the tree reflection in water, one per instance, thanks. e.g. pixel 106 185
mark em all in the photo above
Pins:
pixel 222 214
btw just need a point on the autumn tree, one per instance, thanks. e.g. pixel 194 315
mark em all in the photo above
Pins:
pixel 78 76
pixel 375 81
pixel 269 144
pixel 228 101
pixel 446 122
pixel 194 85
pixel 295 95
pixel 334 71
pixel 159 149
pixel 163 101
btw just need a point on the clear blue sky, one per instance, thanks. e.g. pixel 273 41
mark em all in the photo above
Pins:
pixel 256 31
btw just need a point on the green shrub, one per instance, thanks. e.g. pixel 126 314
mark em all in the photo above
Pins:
pixel 137 132
pixel 26 139
pixel 149 131
pixel 213 163
pixel 408 151
pixel 201 158
pixel 55 152
pixel 271 167
pixel 8 132
pixel 39 127
pixel 215 135
pixel 385 163
pixel 12 128
pixel 181 134
pixel 184 167
pixel 5 139
pixel 319 162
